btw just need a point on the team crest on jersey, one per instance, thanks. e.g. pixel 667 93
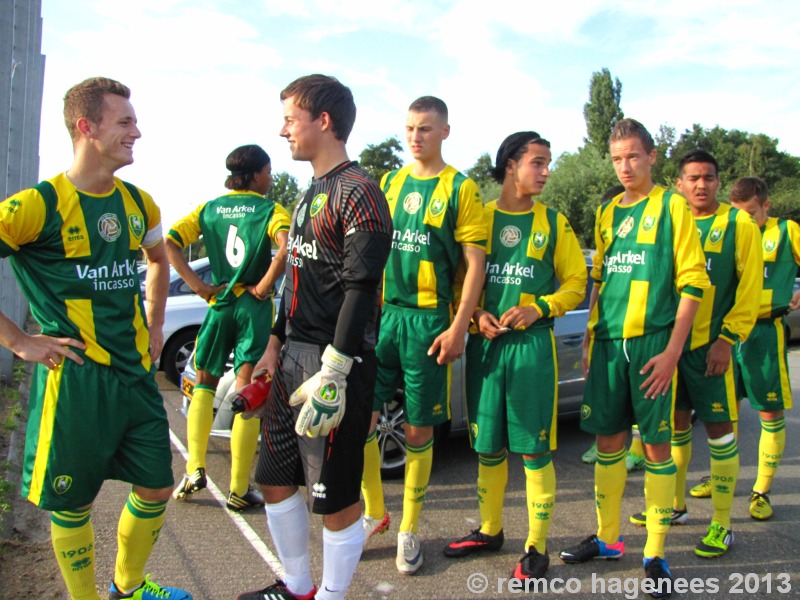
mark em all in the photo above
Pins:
pixel 412 202
pixel 301 215
pixel 436 207
pixel 769 246
pixel 317 203
pixel 715 235
pixel 510 236
pixel 61 484
pixel 539 240
pixel 625 227
pixel 473 428
pixel 137 226
pixel 109 227
pixel 585 411
pixel 648 223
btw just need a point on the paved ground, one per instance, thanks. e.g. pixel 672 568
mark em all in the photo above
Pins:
pixel 217 555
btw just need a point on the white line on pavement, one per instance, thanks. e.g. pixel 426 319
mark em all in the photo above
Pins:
pixel 244 527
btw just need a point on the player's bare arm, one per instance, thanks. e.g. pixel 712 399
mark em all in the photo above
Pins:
pixel 662 366
pixel 450 344
pixel 156 289
pixel 718 358
pixel 263 289
pixel 794 304
pixel 588 336
pixel 43 349
pixel 181 265
pixel 269 360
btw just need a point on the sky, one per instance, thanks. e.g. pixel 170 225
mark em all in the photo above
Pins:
pixel 206 75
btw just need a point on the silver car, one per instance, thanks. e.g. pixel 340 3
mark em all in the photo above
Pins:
pixel 568 330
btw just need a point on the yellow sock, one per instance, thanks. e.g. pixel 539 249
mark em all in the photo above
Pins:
pixel 610 476
pixel 736 429
pixel 139 526
pixel 636 442
pixel 770 451
pixel 371 485
pixel 540 487
pixel 198 426
pixel 492 480
pixel 418 473
pixel 244 441
pixel 681 454
pixel 659 490
pixel 724 474
pixel 73 543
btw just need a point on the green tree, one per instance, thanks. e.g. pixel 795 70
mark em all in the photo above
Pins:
pixel 481 173
pixel 602 111
pixel 285 189
pixel 577 183
pixel 379 159
pixel 665 170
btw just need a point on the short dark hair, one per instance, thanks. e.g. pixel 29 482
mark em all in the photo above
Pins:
pixel 85 100
pixel 324 94
pixel 430 104
pixel 748 187
pixel 512 148
pixel 612 192
pixel 243 163
pixel 631 128
pixel 697 156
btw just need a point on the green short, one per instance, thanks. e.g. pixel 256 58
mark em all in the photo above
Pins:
pixel 242 327
pixel 85 425
pixel 512 392
pixel 612 400
pixel 764 367
pixel 712 398
pixel 404 338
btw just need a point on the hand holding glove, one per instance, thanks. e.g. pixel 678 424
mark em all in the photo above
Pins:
pixel 323 395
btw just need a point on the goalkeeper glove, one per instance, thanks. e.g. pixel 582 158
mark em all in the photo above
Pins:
pixel 323 395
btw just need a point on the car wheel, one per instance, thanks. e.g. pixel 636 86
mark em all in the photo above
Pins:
pixel 392 439
pixel 177 352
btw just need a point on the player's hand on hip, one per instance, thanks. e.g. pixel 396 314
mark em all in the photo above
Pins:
pixel 323 395
pixel 49 351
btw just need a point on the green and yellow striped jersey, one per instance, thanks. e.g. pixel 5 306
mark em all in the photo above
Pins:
pixel 432 217
pixel 528 254
pixel 780 241
pixel 731 243
pixel 74 255
pixel 648 253
pixel 238 229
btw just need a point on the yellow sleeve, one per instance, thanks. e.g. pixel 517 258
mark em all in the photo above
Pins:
pixel 597 259
pixel 690 261
pixel 470 224
pixel 154 233
pixel 570 268
pixel 21 220
pixel 737 324
pixel 280 221
pixel 793 229
pixel 186 231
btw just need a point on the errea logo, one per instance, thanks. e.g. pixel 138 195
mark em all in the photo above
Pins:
pixel 318 490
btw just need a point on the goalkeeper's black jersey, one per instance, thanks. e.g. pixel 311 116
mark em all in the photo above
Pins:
pixel 343 202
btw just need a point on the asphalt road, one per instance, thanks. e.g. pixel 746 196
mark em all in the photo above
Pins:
pixel 216 554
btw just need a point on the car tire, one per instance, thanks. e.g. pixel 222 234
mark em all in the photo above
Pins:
pixel 392 437
pixel 176 352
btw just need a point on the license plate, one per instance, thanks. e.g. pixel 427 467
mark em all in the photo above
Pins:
pixel 187 387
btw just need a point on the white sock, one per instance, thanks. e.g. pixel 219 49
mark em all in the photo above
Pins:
pixel 340 556
pixel 288 524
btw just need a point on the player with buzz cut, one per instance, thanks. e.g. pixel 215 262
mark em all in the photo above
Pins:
pixel 438 220
pixel 239 230
pixel 762 360
pixel 649 274
pixel 535 272
pixel 706 377
pixel 95 411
